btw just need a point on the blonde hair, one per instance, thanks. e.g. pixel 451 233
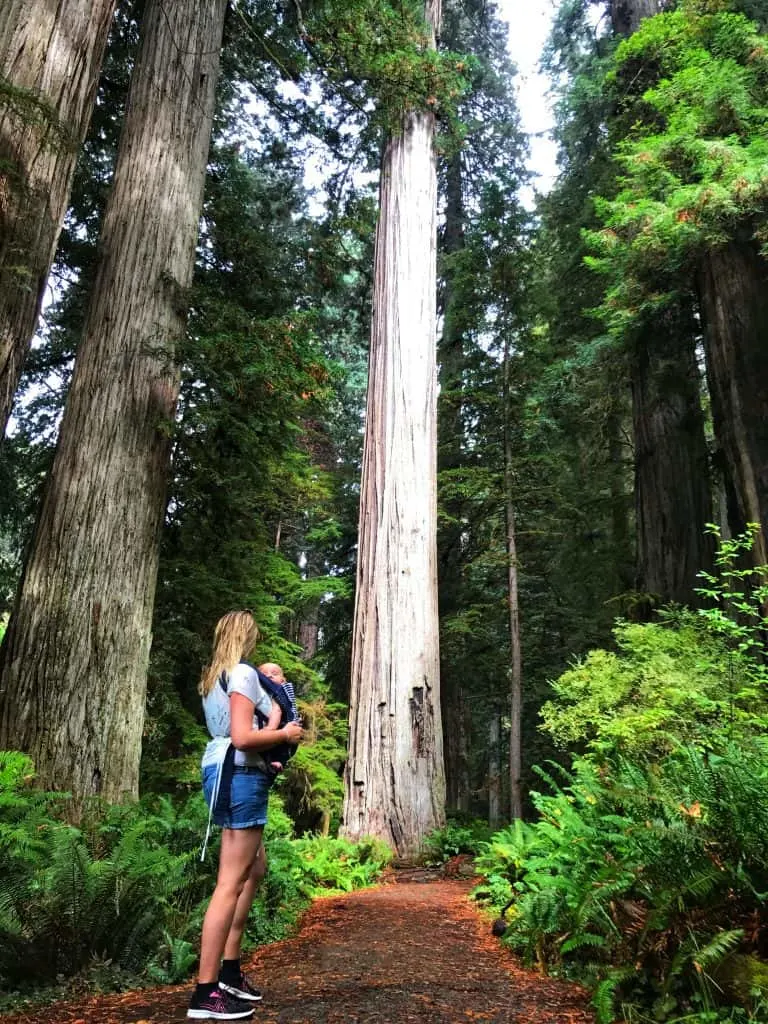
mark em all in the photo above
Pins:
pixel 234 636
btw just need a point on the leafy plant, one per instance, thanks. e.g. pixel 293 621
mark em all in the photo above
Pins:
pixel 454 839
pixel 651 849
pixel 690 88
pixel 121 898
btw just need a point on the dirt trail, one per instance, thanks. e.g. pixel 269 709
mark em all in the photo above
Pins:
pixel 402 953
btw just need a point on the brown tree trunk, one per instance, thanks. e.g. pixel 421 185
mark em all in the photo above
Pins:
pixel 308 636
pixel 449 458
pixel 733 284
pixel 74 660
pixel 50 58
pixel 464 743
pixel 494 771
pixel 394 781
pixel 673 500
pixel 673 497
pixel 626 15
pixel 515 651
pixel 621 501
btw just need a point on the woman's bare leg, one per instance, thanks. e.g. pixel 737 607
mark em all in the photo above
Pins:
pixel 239 851
pixel 244 904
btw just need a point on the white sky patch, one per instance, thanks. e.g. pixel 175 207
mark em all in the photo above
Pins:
pixel 529 26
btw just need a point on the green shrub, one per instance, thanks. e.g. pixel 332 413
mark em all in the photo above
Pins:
pixel 454 839
pixel 646 872
pixel 340 865
pixel 120 899
pixel 659 867
pixel 312 786
pixel 670 682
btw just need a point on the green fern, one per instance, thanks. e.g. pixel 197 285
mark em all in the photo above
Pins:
pixel 582 940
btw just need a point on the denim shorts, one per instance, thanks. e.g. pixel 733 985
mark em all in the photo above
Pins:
pixel 248 797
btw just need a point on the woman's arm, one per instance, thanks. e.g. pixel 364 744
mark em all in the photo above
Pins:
pixel 245 737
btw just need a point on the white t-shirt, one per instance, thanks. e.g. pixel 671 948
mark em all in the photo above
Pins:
pixel 242 679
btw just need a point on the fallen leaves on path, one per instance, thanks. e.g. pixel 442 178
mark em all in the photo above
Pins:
pixel 402 953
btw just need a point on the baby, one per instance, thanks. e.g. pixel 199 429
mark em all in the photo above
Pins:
pixel 285 696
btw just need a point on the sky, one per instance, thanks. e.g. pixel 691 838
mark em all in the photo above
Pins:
pixel 529 22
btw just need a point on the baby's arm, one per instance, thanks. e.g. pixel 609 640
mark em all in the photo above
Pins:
pixel 273 722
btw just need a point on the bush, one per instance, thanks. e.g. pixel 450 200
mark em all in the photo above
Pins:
pixel 454 839
pixel 661 868
pixel 646 872
pixel 669 682
pixel 120 899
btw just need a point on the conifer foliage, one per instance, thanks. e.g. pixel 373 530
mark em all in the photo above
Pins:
pixel 560 473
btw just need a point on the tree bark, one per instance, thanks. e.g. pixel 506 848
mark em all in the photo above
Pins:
pixel 449 457
pixel 673 501
pixel 626 15
pixel 494 771
pixel 50 58
pixel 394 781
pixel 74 660
pixel 463 745
pixel 673 497
pixel 622 534
pixel 733 285
pixel 515 651
pixel 308 637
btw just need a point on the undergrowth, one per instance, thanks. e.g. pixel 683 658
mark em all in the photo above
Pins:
pixel 119 900
pixel 455 838
pixel 646 872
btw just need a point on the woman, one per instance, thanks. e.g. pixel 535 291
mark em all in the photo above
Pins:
pixel 236 788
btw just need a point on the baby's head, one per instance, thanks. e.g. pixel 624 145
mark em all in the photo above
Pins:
pixel 272 671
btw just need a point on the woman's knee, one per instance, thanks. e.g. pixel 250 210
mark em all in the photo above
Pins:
pixel 259 868
pixel 231 885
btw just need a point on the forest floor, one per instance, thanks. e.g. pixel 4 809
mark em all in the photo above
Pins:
pixel 412 951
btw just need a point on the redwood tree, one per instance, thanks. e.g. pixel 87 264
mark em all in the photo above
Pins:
pixel 733 283
pixel 74 660
pixel 513 602
pixel 50 57
pixel 677 81
pixel 394 782
pixel 673 500
pixel 626 15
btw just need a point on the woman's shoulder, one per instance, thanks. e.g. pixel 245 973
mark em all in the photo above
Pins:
pixel 243 673
pixel 245 679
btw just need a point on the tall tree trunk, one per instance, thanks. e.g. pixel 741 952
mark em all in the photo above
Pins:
pixel 449 458
pixel 308 635
pixel 394 781
pixel 463 745
pixel 515 651
pixel 733 285
pixel 672 491
pixel 74 660
pixel 494 771
pixel 626 15
pixel 672 482
pixel 50 58
pixel 621 501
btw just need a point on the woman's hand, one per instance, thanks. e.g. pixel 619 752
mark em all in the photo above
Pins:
pixel 293 733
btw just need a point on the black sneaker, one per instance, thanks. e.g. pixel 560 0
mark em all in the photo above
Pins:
pixel 242 990
pixel 218 1005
